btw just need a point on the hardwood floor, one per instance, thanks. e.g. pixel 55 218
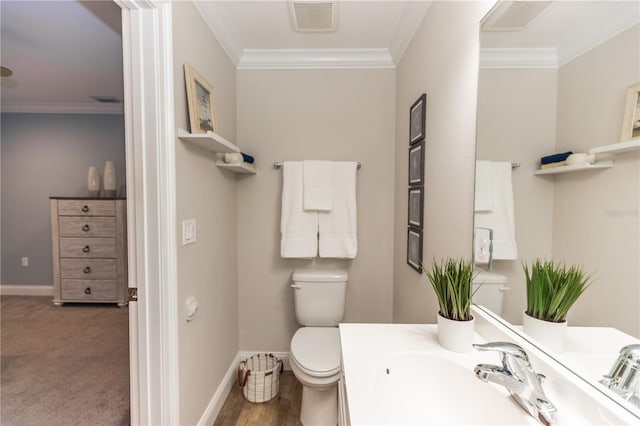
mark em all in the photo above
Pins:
pixel 283 410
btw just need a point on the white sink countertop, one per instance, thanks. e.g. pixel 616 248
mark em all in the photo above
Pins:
pixel 399 374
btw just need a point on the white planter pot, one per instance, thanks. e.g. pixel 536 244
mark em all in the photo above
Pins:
pixel 93 182
pixel 552 335
pixel 456 336
pixel 110 180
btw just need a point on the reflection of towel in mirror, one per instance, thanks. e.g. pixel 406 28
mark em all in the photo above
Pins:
pixel 501 219
pixel 484 187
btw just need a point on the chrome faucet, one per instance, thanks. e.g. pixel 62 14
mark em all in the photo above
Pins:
pixel 624 378
pixel 517 375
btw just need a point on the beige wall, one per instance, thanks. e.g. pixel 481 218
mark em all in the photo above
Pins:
pixel 442 61
pixel 206 269
pixel 596 213
pixel 516 123
pixel 313 114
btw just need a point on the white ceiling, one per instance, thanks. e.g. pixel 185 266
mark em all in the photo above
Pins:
pixel 63 52
pixel 562 32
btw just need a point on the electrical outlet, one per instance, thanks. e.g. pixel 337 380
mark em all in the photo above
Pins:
pixel 25 262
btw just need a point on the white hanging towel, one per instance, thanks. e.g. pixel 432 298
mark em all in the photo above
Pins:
pixel 484 186
pixel 317 186
pixel 338 228
pixel 298 229
pixel 501 218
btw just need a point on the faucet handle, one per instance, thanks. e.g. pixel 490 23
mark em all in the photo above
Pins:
pixel 505 349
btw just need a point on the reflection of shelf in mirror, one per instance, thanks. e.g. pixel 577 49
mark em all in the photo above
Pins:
pixel 237 167
pixel 210 140
pixel 574 168
pixel 615 148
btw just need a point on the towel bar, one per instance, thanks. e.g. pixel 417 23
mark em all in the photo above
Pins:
pixel 278 165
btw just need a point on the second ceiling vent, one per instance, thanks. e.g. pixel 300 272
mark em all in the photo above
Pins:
pixel 314 15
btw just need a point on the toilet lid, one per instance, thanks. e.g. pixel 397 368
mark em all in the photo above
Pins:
pixel 317 350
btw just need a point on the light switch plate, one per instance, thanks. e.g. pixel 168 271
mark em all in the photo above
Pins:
pixel 188 231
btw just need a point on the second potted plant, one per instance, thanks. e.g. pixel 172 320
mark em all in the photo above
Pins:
pixel 552 289
pixel 451 280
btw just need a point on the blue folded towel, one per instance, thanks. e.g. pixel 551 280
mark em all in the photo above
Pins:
pixel 247 158
pixel 554 158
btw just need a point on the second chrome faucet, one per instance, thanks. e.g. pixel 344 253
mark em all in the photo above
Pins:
pixel 517 375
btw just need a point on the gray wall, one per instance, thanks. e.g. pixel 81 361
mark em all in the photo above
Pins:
pixel 46 155
pixel 207 270
pixel 442 61
pixel 322 115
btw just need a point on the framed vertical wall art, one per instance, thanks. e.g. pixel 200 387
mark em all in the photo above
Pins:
pixel 414 249
pixel 416 206
pixel 417 119
pixel 202 117
pixel 416 164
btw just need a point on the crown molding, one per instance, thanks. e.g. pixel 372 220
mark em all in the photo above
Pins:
pixel 519 58
pixel 315 59
pixel 62 108
pixel 606 30
pixel 213 16
pixel 411 18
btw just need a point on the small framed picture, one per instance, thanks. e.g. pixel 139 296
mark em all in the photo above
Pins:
pixel 414 249
pixel 202 115
pixel 631 122
pixel 417 119
pixel 416 164
pixel 416 206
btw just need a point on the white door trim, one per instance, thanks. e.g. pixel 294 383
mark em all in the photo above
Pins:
pixel 150 149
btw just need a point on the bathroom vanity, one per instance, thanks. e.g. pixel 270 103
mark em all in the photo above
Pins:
pixel 399 374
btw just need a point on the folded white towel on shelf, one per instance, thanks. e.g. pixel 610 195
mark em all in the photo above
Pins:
pixel 317 186
pixel 298 228
pixel 484 186
pixel 502 218
pixel 338 228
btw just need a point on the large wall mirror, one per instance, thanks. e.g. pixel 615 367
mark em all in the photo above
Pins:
pixel 552 80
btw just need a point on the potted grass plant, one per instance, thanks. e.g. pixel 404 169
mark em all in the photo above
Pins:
pixel 451 280
pixel 552 289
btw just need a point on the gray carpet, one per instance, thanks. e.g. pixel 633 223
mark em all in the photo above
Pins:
pixel 63 366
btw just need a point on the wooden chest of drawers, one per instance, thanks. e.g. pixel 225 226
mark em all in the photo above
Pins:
pixel 89 241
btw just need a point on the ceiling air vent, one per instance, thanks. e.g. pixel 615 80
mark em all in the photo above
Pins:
pixel 513 15
pixel 314 15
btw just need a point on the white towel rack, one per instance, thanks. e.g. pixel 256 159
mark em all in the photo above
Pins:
pixel 278 165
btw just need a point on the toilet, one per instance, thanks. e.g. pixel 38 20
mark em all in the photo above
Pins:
pixel 491 291
pixel 319 299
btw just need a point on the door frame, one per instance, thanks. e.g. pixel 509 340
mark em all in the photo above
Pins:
pixel 151 210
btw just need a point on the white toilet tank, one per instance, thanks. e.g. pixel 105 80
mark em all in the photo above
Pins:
pixel 491 291
pixel 319 296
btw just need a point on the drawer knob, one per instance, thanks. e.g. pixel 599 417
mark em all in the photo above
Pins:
pixel 87 290
pixel 86 227
pixel 86 249
pixel 87 270
pixel 85 209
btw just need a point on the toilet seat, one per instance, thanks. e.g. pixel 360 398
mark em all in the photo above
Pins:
pixel 316 350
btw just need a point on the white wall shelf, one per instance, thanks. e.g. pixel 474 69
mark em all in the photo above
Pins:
pixel 237 167
pixel 616 148
pixel 574 168
pixel 210 140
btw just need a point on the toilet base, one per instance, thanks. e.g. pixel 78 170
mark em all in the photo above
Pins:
pixel 319 406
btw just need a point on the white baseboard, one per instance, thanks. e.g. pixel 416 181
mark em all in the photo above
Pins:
pixel 217 401
pixel 26 290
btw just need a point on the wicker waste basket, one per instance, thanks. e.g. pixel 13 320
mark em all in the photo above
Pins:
pixel 259 377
